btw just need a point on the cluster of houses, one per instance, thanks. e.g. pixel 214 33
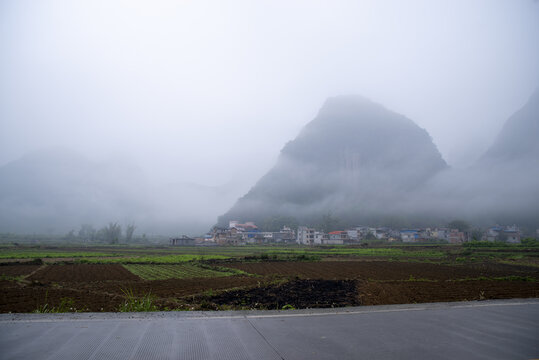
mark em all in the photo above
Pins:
pixel 248 233
pixel 309 236
pixel 510 234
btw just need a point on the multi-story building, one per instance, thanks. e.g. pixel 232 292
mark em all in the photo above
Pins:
pixel 286 235
pixel 509 234
pixel 305 235
pixel 456 237
pixel 353 234
pixel 320 238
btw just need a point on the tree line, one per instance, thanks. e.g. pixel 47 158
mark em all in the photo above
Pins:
pixel 112 233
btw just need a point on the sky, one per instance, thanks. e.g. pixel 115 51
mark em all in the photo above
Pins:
pixel 209 92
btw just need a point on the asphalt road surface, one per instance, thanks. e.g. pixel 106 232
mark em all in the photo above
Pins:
pixel 501 329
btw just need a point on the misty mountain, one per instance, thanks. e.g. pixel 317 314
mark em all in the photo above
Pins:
pixel 505 180
pixel 502 186
pixel 519 138
pixel 356 160
pixel 55 190
pixel 363 163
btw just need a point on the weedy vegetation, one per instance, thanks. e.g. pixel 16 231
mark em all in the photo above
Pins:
pixel 132 303
pixel 66 305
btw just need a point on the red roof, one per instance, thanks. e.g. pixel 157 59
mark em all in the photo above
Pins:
pixel 337 232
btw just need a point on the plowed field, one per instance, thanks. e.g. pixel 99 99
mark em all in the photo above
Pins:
pixel 108 295
pixel 382 270
pixel 17 298
pixel 17 270
pixel 299 284
pixel 377 293
pixel 170 288
pixel 82 273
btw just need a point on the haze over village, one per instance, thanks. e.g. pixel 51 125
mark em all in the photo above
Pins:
pixel 178 120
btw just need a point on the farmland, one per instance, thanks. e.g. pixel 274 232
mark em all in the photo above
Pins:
pixel 102 278
pixel 180 271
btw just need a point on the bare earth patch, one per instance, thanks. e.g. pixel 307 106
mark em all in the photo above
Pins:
pixel 298 284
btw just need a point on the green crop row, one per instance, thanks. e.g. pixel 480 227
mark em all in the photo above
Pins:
pixel 385 252
pixel 164 259
pixel 500 278
pixel 181 271
pixel 29 254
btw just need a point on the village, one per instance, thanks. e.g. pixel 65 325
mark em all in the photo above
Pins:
pixel 247 233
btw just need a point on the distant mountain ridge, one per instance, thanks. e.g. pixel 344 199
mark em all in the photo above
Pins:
pixel 365 164
pixel 355 158
pixel 55 190
pixel 519 137
pixel 505 180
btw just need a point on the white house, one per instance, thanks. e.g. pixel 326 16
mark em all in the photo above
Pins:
pixel 305 235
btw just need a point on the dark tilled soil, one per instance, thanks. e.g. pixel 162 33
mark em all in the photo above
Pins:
pixel 19 298
pixel 303 284
pixel 17 270
pixel 108 295
pixel 395 292
pixel 382 270
pixel 170 288
pixel 82 273
pixel 298 294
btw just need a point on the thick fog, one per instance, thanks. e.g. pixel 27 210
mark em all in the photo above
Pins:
pixel 164 113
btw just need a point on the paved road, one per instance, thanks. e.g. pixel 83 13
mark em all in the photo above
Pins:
pixel 506 329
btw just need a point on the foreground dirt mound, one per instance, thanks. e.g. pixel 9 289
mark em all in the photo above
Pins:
pixel 298 294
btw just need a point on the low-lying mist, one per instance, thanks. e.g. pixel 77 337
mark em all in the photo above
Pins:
pixel 57 190
pixel 357 161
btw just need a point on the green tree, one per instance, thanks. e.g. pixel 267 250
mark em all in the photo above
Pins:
pixel 461 225
pixel 87 233
pixel 328 223
pixel 111 233
pixel 129 230
pixel 276 223
pixel 476 235
pixel 70 236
